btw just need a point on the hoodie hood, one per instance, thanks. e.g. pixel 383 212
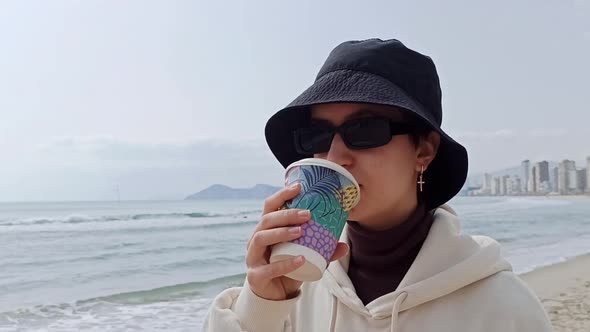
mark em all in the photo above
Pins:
pixel 447 262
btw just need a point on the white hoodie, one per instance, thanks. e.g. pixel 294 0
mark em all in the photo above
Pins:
pixel 456 283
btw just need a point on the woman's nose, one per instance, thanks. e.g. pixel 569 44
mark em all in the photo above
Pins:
pixel 339 153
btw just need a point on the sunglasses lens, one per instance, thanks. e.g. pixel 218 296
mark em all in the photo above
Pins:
pixel 313 140
pixel 367 133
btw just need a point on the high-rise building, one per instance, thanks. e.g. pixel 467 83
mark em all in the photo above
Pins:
pixel 541 178
pixel 588 175
pixel 486 187
pixel 544 187
pixel 555 183
pixel 565 175
pixel 582 180
pixel 572 181
pixel 504 185
pixel 532 185
pixel 525 170
pixel 509 186
pixel 495 186
pixel 543 172
pixel 516 185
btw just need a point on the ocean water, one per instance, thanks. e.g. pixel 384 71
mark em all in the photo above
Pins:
pixel 156 266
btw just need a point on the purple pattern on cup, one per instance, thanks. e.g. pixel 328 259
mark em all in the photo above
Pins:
pixel 318 238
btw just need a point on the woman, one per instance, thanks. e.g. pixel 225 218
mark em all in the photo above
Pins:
pixel 403 263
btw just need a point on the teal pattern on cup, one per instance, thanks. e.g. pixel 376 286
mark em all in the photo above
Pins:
pixel 329 196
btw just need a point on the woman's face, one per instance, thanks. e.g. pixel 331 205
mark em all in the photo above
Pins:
pixel 387 174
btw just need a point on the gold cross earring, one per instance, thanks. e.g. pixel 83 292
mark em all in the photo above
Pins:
pixel 421 181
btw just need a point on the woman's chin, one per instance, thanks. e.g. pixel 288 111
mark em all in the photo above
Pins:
pixel 354 214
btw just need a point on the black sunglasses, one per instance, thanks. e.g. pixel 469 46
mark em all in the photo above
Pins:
pixel 357 134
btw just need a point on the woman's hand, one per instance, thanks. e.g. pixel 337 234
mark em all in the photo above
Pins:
pixel 267 280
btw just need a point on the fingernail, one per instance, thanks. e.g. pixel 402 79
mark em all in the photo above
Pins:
pixel 294 186
pixel 305 214
pixel 298 260
pixel 295 230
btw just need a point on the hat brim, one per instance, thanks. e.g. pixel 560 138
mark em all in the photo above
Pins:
pixel 444 177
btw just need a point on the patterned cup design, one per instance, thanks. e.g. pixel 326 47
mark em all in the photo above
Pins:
pixel 318 238
pixel 329 196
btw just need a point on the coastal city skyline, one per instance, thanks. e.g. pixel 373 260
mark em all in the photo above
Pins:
pixel 536 178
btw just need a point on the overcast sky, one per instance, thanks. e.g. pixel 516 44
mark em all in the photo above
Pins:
pixel 164 98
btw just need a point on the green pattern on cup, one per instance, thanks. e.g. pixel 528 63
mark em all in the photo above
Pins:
pixel 322 194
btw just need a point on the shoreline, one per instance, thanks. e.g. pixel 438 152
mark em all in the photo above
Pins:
pixel 573 196
pixel 564 290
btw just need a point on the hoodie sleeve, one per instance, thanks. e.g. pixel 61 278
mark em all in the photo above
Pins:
pixel 525 319
pixel 532 316
pixel 517 308
pixel 238 309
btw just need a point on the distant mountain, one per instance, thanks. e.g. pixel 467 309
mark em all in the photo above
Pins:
pixel 218 191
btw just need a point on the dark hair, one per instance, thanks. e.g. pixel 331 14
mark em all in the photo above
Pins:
pixel 421 128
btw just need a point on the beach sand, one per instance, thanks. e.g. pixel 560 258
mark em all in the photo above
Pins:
pixel 564 290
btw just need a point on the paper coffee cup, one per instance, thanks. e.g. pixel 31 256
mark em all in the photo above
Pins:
pixel 329 191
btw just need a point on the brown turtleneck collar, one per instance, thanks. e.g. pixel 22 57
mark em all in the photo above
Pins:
pixel 379 260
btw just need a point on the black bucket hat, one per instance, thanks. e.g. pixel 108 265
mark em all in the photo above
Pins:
pixel 385 73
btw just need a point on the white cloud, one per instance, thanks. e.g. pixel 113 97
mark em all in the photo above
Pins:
pixel 89 168
pixel 506 133
pixel 547 132
pixel 499 133
pixel 111 151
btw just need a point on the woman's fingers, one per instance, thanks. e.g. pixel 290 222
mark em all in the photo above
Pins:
pixel 278 199
pixel 342 250
pixel 275 270
pixel 283 218
pixel 266 238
